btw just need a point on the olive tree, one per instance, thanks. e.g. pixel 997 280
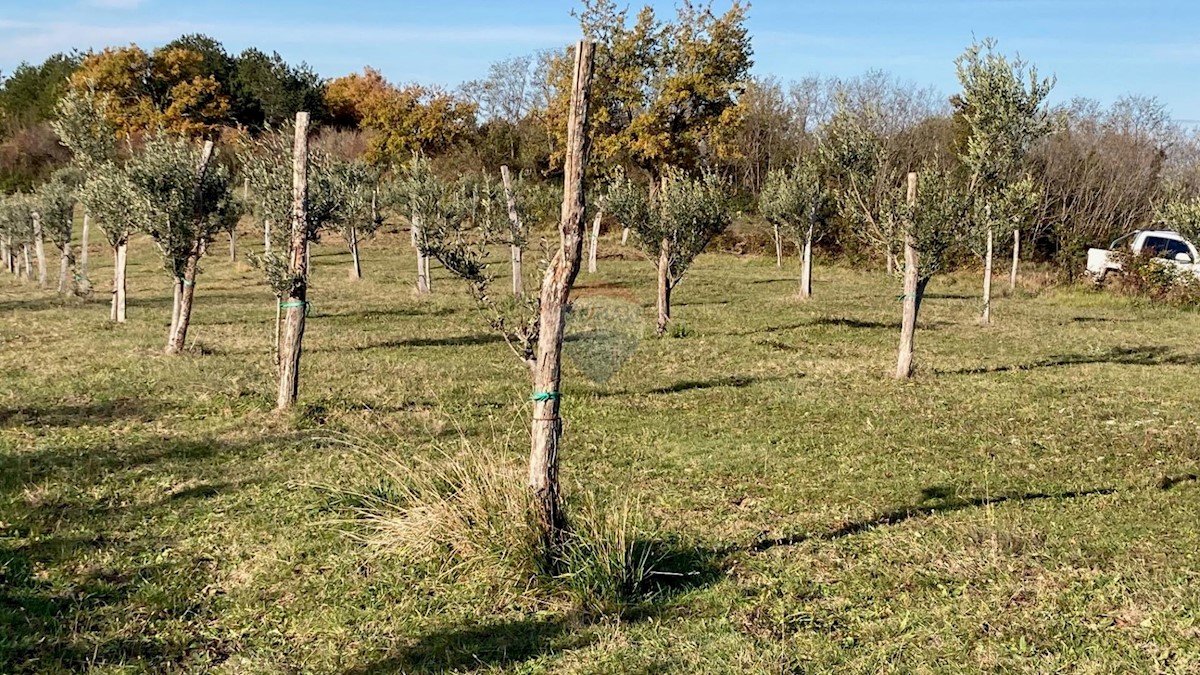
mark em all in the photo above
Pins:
pixel 55 203
pixel 16 227
pixel 1003 108
pixel 794 199
pixel 672 228
pixel 107 193
pixel 189 200
pixel 931 214
pixel 358 215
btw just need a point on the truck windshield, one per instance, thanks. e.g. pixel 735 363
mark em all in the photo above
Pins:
pixel 1161 247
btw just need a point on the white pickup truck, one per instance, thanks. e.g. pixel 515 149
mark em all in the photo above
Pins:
pixel 1168 246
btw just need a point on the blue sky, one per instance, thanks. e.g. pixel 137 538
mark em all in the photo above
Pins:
pixel 1096 48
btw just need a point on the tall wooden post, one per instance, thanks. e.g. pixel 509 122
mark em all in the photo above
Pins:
pixel 560 276
pixel 595 240
pixel 120 263
pixel 423 285
pixel 778 245
pixel 908 324
pixel 516 232
pixel 39 248
pixel 64 267
pixel 986 317
pixel 1012 275
pixel 296 301
pixel 85 283
pixel 806 266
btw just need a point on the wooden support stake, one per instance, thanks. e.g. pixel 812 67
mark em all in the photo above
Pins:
pixel 296 299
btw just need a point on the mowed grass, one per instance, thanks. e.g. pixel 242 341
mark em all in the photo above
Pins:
pixel 1028 504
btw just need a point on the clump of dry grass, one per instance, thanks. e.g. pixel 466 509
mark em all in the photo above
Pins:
pixel 469 512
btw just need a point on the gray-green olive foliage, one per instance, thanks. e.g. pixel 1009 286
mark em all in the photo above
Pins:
pixel 1003 105
pixel 183 211
pixel 460 221
pixel 793 198
pixel 687 213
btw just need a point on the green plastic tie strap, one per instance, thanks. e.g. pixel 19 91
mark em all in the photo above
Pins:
pixel 185 282
pixel 545 396
pixel 297 303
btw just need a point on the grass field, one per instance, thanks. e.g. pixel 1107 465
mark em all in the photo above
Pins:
pixel 1028 504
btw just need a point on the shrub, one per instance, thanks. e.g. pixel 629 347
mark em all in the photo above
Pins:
pixel 1145 275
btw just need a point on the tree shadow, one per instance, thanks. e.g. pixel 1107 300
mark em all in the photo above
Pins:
pixel 1099 319
pixel 73 415
pixel 453 341
pixel 79 570
pixel 385 313
pixel 944 501
pixel 1169 482
pixel 1133 356
pixel 39 304
pixel 676 569
pixel 491 644
pixel 732 381
pixel 949 296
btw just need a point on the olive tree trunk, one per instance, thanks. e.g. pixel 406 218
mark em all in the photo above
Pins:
pixel 186 287
pixel 296 301
pixel 233 245
pixel 1012 275
pixel 516 232
pixel 986 317
pixel 806 266
pixel 64 267
pixel 185 292
pixel 908 323
pixel 28 265
pixel 266 236
pixel 664 285
pixel 120 260
pixel 6 253
pixel 39 248
pixel 356 271
pixel 546 428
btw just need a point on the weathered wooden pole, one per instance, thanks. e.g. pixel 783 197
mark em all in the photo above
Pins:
pixel 39 248
pixel 186 285
pixel 908 324
pixel 778 245
pixel 296 302
pixel 5 253
pixel 546 429
pixel 595 239
pixel 85 283
pixel 986 317
pixel 120 263
pixel 266 236
pixel 1012 275
pixel 516 232
pixel 28 265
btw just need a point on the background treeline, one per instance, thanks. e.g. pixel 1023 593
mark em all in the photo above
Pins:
pixel 672 94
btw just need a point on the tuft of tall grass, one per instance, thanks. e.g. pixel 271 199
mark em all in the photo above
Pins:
pixel 469 514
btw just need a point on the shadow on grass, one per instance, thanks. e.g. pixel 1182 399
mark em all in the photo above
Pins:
pixel 92 582
pixel 507 643
pixel 70 415
pixel 945 502
pixel 385 313
pixel 40 304
pixel 1131 356
pixel 731 382
pixel 453 341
